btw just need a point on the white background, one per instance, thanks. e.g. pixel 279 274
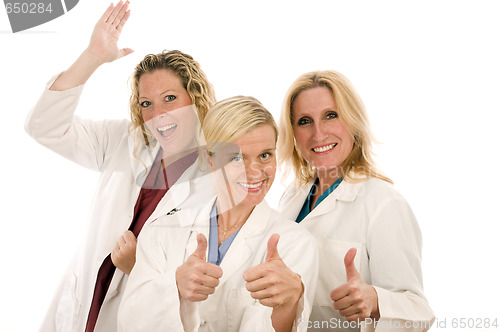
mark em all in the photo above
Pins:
pixel 428 71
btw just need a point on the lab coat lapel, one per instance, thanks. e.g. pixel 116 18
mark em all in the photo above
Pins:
pixel 244 244
pixel 294 203
pixel 344 192
pixel 146 155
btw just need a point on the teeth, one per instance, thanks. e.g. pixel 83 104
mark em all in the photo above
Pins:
pixel 170 126
pixel 325 148
pixel 251 186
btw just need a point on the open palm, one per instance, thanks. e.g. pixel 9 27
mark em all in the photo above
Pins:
pixel 104 41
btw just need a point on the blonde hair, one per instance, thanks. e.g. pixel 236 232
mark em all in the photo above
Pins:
pixel 359 163
pixel 231 118
pixel 194 80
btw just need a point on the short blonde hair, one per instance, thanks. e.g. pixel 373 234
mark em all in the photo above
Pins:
pixel 359 163
pixel 193 79
pixel 231 118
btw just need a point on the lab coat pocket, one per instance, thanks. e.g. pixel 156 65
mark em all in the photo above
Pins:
pixel 332 268
pixel 239 299
pixel 68 308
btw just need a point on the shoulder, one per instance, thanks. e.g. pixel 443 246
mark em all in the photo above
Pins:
pixel 288 229
pixel 372 189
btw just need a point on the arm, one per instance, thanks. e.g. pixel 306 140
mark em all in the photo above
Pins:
pixel 52 121
pixel 101 49
pixel 395 245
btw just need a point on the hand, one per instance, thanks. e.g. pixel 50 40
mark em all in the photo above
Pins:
pixel 123 255
pixel 103 43
pixel 272 282
pixel 355 300
pixel 196 279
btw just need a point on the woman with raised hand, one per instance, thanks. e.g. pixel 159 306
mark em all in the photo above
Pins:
pixel 232 263
pixel 369 240
pixel 139 160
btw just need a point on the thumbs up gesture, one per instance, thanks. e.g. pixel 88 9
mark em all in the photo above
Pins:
pixel 196 278
pixel 355 300
pixel 272 282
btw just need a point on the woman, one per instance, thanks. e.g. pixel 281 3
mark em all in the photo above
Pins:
pixel 347 203
pixel 139 161
pixel 174 288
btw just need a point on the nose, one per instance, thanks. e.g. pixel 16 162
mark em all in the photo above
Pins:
pixel 319 132
pixel 253 170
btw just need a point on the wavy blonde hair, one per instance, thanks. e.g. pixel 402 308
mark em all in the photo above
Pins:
pixel 194 80
pixel 359 164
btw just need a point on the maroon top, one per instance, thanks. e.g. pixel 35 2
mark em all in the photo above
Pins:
pixel 152 191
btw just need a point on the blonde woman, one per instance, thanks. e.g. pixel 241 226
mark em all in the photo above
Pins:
pixel 230 263
pixel 345 202
pixel 139 160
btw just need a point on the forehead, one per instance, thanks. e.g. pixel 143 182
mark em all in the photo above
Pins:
pixel 161 79
pixel 258 139
pixel 312 100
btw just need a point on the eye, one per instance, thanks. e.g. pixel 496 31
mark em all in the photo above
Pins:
pixel 170 98
pixel 237 159
pixel 265 155
pixel 303 121
pixel 145 103
pixel 332 115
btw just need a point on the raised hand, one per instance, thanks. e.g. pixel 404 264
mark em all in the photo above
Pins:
pixel 355 300
pixel 196 278
pixel 123 255
pixel 103 47
pixel 104 41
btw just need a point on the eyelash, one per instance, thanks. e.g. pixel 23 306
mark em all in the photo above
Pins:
pixel 306 120
pixel 168 98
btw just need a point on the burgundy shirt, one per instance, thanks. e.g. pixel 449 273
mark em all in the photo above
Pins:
pixel 152 191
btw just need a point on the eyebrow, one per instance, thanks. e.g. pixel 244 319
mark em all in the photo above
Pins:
pixel 164 92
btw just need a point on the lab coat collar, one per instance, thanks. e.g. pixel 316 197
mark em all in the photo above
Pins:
pixel 145 154
pixel 244 244
pixel 346 192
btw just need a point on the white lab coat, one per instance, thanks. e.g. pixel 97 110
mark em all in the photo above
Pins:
pixel 372 217
pixel 151 300
pixel 104 146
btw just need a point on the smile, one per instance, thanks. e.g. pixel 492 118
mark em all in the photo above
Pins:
pixel 251 186
pixel 324 148
pixel 167 131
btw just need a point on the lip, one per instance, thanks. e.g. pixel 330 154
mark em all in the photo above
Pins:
pixel 324 149
pixel 252 187
pixel 167 131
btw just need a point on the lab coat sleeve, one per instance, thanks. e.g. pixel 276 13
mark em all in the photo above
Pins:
pixel 151 300
pixel 52 122
pixel 394 246
pixel 300 253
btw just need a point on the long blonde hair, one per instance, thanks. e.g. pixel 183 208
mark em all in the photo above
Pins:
pixel 359 163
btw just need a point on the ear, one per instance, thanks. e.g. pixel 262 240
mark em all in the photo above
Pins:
pixel 209 159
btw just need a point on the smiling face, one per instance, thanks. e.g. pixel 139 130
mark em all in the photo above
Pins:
pixel 167 110
pixel 246 168
pixel 321 137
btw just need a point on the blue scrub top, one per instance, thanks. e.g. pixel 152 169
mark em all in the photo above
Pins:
pixel 306 207
pixel 216 253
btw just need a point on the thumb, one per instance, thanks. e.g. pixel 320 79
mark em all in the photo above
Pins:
pixel 201 249
pixel 350 269
pixel 272 248
pixel 125 51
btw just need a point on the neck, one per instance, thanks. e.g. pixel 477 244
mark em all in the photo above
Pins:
pixel 326 179
pixel 235 216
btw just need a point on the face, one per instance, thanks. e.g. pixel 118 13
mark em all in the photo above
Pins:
pixel 321 137
pixel 246 168
pixel 167 110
